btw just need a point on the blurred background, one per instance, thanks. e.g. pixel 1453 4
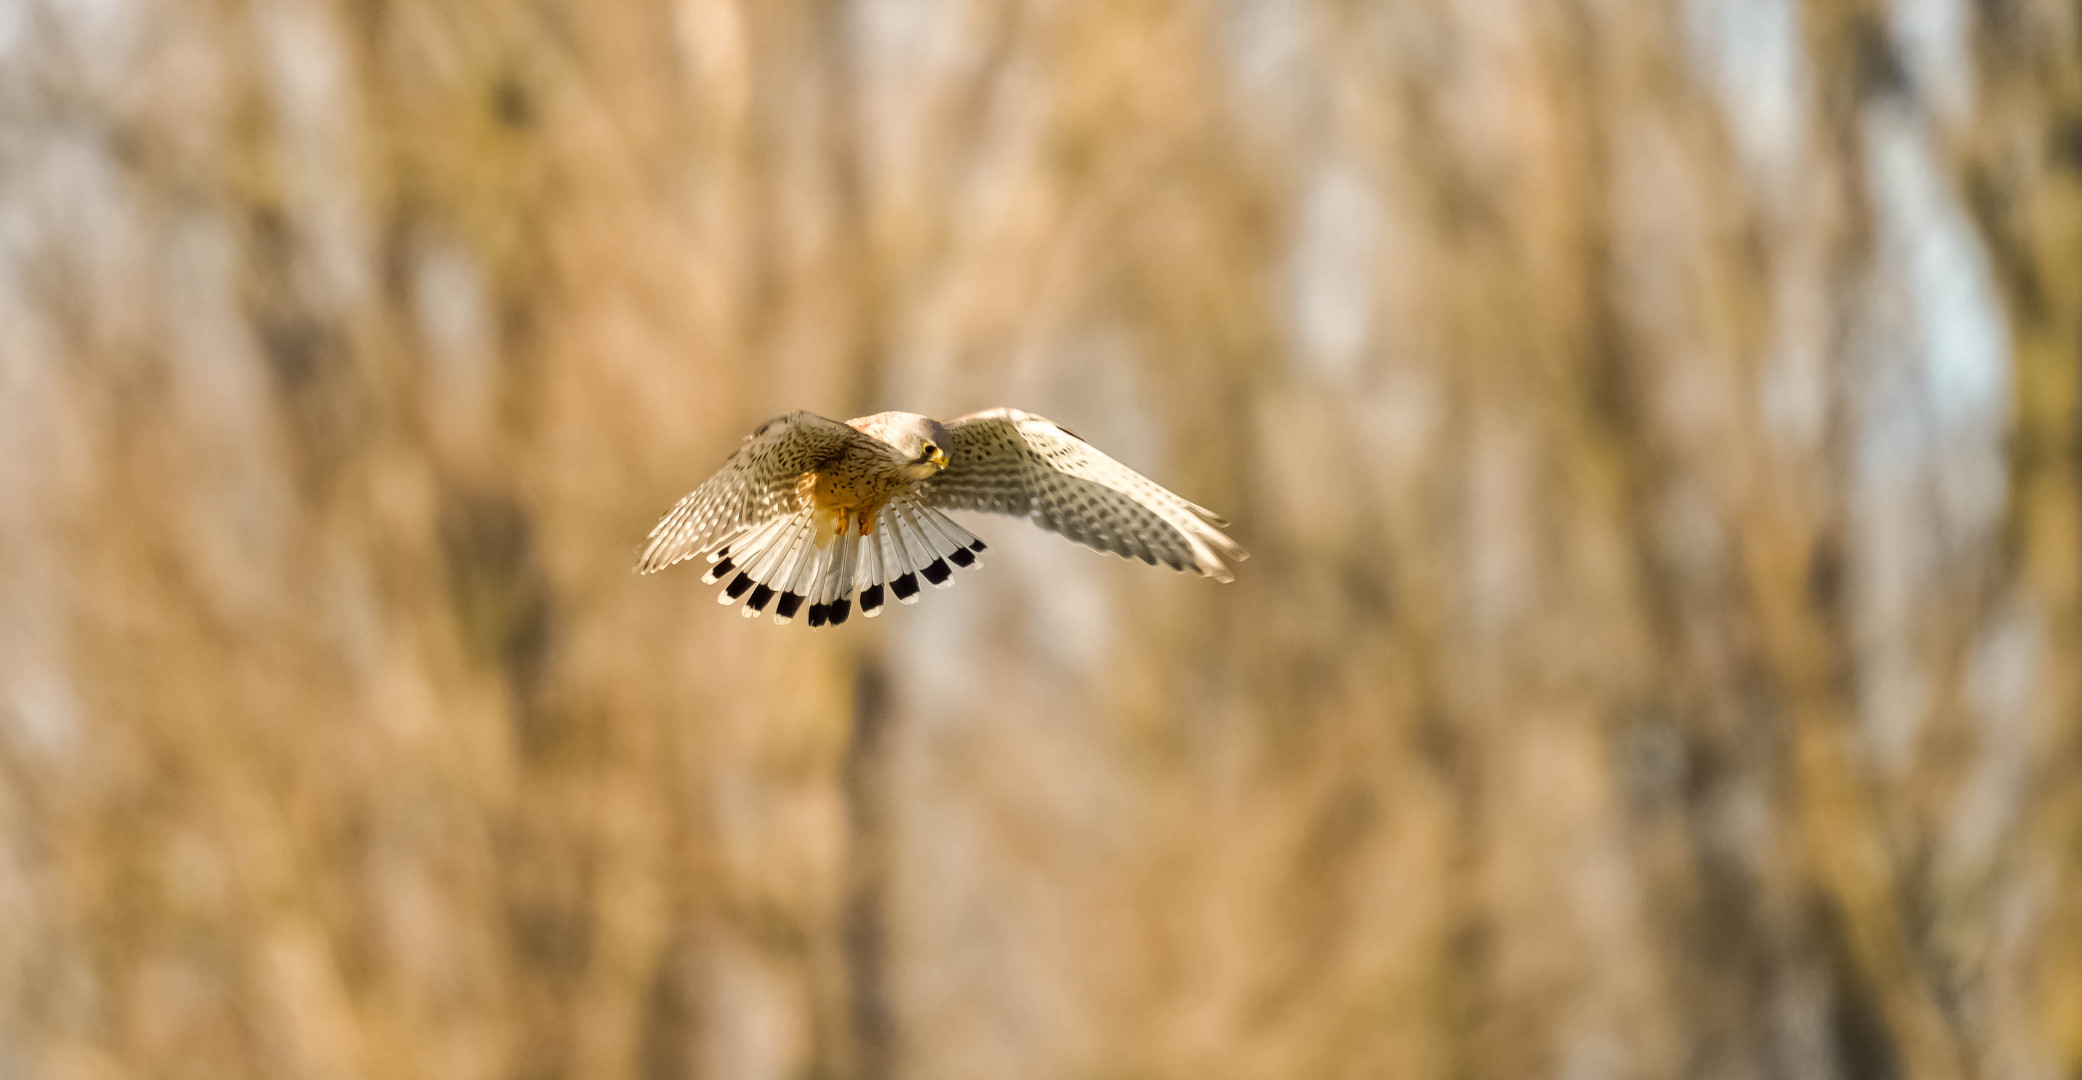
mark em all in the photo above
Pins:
pixel 1654 422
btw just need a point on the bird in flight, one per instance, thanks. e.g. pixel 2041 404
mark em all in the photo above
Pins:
pixel 810 510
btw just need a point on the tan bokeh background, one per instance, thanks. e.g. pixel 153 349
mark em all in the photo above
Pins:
pixel 1654 422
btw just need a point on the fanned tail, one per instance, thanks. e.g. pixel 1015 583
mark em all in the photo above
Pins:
pixel 874 569
pixel 844 566
pixel 808 558
pixel 952 542
pixel 779 571
pixel 754 558
pixel 833 600
pixel 782 567
pixel 923 542
pixel 769 563
pixel 740 552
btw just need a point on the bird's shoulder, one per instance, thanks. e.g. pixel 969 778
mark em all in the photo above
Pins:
pixel 803 438
pixel 1005 421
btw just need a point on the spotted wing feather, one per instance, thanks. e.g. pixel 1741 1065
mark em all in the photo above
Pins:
pixel 1004 461
pixel 755 486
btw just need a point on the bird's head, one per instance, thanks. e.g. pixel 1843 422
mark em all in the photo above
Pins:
pixel 921 442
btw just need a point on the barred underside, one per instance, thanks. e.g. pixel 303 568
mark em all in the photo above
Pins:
pixel 1004 461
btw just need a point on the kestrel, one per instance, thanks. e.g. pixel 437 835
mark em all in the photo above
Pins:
pixel 808 509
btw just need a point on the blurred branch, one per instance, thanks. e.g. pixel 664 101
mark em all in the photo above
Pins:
pixel 1794 584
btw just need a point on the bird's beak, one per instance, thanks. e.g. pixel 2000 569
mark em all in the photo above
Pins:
pixel 939 458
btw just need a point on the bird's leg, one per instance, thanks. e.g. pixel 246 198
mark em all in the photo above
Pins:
pixel 867 522
pixel 822 495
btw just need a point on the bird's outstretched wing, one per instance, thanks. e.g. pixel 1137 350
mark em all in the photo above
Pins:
pixel 754 486
pixel 1004 461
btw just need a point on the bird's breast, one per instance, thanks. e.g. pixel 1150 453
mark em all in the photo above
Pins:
pixel 844 488
pixel 847 494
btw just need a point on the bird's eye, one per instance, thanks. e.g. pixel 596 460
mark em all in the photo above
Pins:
pixel 926 450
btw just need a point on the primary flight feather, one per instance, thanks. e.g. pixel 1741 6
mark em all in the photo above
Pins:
pixel 811 511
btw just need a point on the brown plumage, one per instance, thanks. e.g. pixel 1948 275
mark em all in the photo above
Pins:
pixel 811 510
